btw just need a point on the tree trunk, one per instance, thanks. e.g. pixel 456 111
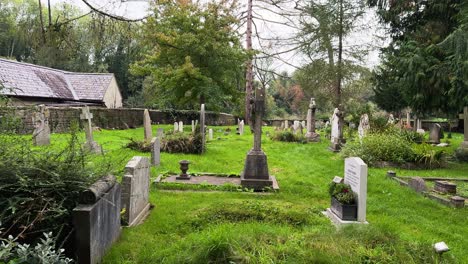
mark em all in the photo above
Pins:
pixel 42 22
pixel 50 14
pixel 249 73
pixel 340 56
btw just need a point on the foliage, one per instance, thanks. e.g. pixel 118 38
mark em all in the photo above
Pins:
pixel 43 253
pixel 39 187
pixel 142 146
pixel 429 157
pixel 195 56
pixel 182 143
pixel 377 147
pixel 462 154
pixel 424 67
pixel 287 136
pixel 342 192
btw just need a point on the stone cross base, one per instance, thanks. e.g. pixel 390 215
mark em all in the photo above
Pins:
pixel 336 145
pixel 93 147
pixel 312 137
pixel 255 174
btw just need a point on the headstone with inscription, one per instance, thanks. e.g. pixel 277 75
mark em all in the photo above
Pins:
pixel 90 144
pixel 147 126
pixel 135 190
pixel 356 176
pixel 41 133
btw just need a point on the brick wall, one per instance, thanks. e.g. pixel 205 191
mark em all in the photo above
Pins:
pixel 123 118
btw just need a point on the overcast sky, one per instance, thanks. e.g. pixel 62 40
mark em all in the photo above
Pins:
pixel 136 9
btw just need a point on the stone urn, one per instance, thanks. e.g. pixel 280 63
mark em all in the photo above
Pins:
pixel 184 166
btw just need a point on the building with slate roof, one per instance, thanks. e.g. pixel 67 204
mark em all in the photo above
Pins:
pixel 29 84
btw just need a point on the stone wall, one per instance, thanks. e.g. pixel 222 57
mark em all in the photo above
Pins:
pixel 123 118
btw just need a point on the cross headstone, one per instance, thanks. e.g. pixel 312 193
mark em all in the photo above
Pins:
pixel 356 176
pixel 311 135
pixel 202 126
pixel 181 126
pixel 155 151
pixel 135 190
pixel 364 126
pixel 41 133
pixel 210 134
pixel 90 144
pixel 176 127
pixel 147 126
pixel 255 174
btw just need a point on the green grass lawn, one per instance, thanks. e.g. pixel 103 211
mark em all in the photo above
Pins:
pixel 284 227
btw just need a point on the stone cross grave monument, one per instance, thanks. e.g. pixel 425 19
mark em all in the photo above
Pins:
pixel 311 135
pixel 135 190
pixel 255 174
pixel 41 133
pixel 147 126
pixel 336 130
pixel 356 176
pixel 90 144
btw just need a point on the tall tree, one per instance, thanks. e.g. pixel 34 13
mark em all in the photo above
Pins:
pixel 195 56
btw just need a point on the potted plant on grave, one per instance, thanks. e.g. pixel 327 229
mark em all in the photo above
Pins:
pixel 343 201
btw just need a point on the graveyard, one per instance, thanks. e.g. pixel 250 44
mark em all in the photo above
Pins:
pixel 247 132
pixel 200 225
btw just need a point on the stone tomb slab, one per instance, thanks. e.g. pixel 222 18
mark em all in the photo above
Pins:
pixel 213 180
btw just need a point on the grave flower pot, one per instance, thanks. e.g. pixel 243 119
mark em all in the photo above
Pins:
pixel 347 212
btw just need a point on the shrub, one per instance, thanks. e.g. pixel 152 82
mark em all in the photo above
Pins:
pixel 461 154
pixel 39 187
pixel 42 253
pixel 172 143
pixel 287 136
pixel 142 146
pixel 429 157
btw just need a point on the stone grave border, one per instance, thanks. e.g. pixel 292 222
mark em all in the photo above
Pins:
pixel 404 181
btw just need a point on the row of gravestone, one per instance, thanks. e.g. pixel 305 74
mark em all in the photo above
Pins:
pixel 104 205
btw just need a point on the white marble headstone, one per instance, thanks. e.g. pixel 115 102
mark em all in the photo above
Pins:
pixel 335 133
pixel 176 127
pixel 210 134
pixel 181 126
pixel 356 176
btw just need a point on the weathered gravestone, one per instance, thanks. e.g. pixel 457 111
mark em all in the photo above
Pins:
pixel 176 127
pixel 181 126
pixel 356 176
pixel 336 130
pixel 417 184
pixel 311 135
pixel 241 127
pixel 464 144
pixel 135 190
pixel 435 134
pixel 90 144
pixel 255 174
pixel 363 126
pixel 210 134
pixel 202 126
pixel 41 133
pixel 286 124
pixel 193 126
pixel 147 126
pixel 155 151
pixel 160 133
pixel 296 125
pixel 96 220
